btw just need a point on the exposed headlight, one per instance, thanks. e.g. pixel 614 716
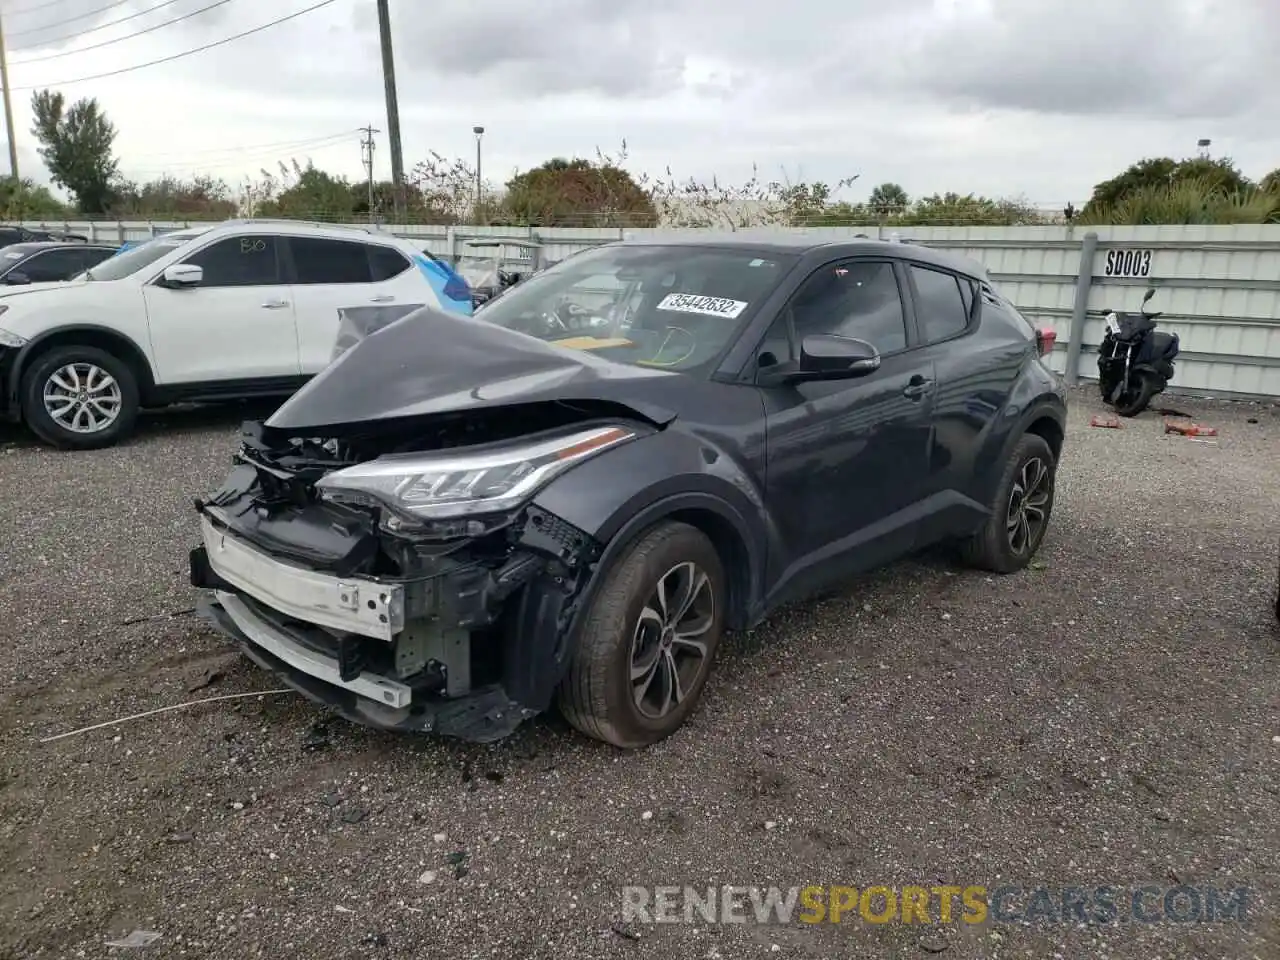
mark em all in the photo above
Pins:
pixel 440 485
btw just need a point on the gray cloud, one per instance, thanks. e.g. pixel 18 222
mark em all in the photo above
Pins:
pixel 1175 59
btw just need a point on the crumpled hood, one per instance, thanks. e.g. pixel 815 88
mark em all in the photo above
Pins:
pixel 435 362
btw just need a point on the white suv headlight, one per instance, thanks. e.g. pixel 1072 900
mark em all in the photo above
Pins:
pixel 441 485
pixel 8 339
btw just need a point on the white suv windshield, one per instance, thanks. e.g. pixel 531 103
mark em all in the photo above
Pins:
pixel 131 261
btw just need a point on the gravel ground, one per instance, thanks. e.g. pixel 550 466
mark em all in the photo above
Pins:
pixel 1108 717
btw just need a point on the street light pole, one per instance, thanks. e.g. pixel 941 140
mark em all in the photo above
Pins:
pixel 479 132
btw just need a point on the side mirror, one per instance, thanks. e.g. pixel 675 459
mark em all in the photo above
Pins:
pixel 182 275
pixel 824 356
pixel 17 278
pixel 1151 292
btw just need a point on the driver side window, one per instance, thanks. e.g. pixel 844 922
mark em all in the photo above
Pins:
pixel 247 261
pixel 852 298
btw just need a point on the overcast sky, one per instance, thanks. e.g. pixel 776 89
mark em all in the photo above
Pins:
pixel 1040 98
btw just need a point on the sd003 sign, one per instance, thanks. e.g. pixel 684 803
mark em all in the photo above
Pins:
pixel 1127 263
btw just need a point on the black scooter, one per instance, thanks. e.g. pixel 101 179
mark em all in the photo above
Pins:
pixel 1134 361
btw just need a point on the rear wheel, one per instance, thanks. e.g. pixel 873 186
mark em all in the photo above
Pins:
pixel 1020 510
pixel 79 398
pixel 648 639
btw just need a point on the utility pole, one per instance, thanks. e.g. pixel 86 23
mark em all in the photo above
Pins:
pixel 8 108
pixel 393 109
pixel 366 146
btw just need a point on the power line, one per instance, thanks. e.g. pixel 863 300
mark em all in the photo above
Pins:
pixel 256 147
pixel 128 36
pixel 49 41
pixel 185 53
pixel 227 162
pixel 79 16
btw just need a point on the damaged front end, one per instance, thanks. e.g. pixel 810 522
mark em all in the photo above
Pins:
pixel 402 576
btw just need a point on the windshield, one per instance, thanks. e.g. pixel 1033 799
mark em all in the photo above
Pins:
pixel 674 307
pixel 134 259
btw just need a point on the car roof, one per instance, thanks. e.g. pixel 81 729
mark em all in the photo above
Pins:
pixel 34 246
pixel 780 243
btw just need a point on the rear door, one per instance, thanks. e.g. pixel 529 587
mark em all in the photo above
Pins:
pixel 976 372
pixel 238 324
pixel 329 274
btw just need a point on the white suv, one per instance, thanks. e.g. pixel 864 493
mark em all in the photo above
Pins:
pixel 245 308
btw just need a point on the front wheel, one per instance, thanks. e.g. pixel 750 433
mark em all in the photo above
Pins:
pixel 80 398
pixel 648 639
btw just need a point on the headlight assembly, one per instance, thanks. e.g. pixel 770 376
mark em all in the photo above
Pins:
pixel 434 486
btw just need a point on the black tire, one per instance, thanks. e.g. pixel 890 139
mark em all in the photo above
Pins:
pixel 597 694
pixel 993 547
pixel 1133 401
pixel 43 424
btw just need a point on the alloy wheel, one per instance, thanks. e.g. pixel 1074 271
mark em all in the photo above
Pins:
pixel 82 398
pixel 1028 506
pixel 668 649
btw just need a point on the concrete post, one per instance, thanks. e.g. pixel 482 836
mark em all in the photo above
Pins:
pixel 1084 282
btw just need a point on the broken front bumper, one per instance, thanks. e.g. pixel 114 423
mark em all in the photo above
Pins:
pixel 468 650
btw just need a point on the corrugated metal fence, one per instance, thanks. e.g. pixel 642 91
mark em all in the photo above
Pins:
pixel 1219 286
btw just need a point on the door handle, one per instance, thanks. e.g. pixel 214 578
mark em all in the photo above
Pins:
pixel 917 388
pixel 382 298
pixel 275 304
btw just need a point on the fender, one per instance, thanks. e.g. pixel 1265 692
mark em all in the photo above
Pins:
pixel 98 333
pixel 615 496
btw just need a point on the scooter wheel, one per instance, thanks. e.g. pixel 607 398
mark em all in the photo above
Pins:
pixel 1135 399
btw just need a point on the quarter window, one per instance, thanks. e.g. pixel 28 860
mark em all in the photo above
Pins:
pixel 941 308
pixel 246 261
pixel 386 262
pixel 321 260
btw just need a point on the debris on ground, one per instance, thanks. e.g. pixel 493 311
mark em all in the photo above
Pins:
pixel 207 678
pixel 158 710
pixel 1102 420
pixel 1188 428
pixel 317 738
pixel 135 940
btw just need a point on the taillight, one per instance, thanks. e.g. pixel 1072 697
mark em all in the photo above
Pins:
pixel 1046 337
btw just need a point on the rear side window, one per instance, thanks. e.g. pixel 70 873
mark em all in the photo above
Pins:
pixel 53 265
pixel 940 307
pixel 385 262
pixel 320 260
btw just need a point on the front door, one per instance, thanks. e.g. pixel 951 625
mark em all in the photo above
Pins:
pixel 237 324
pixel 847 460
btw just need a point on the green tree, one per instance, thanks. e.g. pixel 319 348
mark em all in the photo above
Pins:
pixel 75 145
pixel 24 199
pixel 302 193
pixel 889 199
pixel 200 198
pixel 1220 174
pixel 968 210
pixel 578 192
pixel 1271 182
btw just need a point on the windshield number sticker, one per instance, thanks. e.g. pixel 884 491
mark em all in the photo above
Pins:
pixel 709 306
